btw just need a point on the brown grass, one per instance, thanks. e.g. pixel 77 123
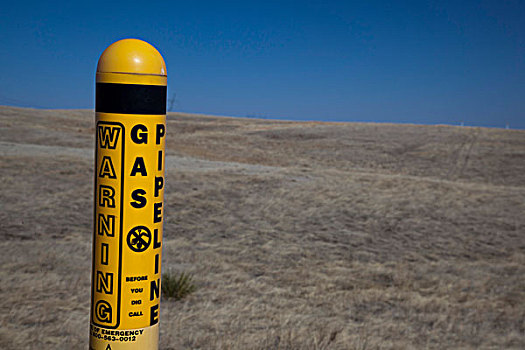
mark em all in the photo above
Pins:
pixel 299 235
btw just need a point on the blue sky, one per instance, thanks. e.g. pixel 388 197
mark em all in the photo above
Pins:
pixel 426 62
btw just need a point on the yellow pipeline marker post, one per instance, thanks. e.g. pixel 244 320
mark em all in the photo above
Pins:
pixel 129 191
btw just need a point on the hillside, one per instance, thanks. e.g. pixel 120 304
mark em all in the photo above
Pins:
pixel 300 235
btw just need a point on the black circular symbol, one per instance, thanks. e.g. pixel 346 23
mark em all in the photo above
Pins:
pixel 139 238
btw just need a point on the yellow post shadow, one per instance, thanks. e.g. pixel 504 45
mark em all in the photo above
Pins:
pixel 130 110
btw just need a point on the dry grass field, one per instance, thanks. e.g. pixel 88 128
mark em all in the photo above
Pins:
pixel 300 235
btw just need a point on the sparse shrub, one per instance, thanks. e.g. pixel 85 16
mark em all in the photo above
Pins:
pixel 177 285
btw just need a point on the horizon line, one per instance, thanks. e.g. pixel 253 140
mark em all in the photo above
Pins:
pixel 285 119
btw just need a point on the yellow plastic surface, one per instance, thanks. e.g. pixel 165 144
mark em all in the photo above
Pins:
pixel 129 208
pixel 126 78
pixel 132 56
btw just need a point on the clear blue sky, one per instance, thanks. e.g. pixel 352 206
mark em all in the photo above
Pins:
pixel 382 61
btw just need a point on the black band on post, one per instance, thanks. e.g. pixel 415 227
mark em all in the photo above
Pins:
pixel 130 98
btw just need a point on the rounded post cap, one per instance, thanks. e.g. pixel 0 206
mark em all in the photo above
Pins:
pixel 131 56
